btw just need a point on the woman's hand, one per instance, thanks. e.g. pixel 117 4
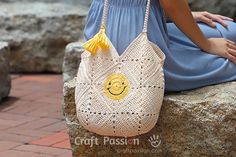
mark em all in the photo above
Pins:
pixel 222 47
pixel 210 18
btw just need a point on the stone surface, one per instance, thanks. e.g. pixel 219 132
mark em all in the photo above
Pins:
pixel 37 33
pixel 74 2
pixel 226 7
pixel 5 79
pixel 199 123
pixel 71 60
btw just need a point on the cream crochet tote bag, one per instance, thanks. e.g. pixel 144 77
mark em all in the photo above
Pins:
pixel 120 95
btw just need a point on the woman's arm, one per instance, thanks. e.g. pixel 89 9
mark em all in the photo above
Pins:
pixel 181 15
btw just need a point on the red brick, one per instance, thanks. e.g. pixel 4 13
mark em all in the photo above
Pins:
pixel 16 117
pixel 18 92
pixel 51 100
pixel 29 132
pixel 12 105
pixel 67 154
pixel 17 81
pixel 42 122
pixel 55 127
pixel 23 117
pixel 3 127
pixel 64 144
pixel 35 86
pixel 9 104
pixel 65 130
pixel 9 120
pixel 52 139
pixel 10 123
pixel 42 149
pixel 36 95
pixel 25 107
pixel 22 109
pixel 38 78
pixel 46 111
pixel 56 114
pixel 15 153
pixel 6 145
pixel 57 95
pixel 16 138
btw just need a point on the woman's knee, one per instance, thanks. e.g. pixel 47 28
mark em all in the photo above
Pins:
pixel 230 31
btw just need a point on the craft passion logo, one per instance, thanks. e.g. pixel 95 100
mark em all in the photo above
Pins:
pixel 105 141
pixel 154 141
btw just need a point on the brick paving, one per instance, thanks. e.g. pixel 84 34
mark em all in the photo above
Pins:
pixel 31 119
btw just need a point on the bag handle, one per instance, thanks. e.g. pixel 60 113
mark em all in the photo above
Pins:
pixel 145 25
pixel 100 40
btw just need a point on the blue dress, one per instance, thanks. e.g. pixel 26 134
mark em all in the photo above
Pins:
pixel 186 66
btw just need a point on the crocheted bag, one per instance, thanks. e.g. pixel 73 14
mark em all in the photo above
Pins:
pixel 120 95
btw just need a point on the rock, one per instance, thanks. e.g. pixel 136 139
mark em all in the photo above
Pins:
pixel 226 7
pixel 74 2
pixel 37 33
pixel 5 79
pixel 71 60
pixel 199 123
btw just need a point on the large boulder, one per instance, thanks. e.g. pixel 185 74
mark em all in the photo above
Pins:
pixel 71 60
pixel 199 123
pixel 5 79
pixel 74 2
pixel 226 7
pixel 37 33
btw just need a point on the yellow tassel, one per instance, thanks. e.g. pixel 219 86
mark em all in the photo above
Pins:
pixel 99 40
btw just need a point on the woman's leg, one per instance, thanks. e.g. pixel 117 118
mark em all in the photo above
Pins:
pixel 229 32
pixel 193 68
pixel 220 31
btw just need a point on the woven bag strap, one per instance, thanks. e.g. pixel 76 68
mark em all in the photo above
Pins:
pixel 145 25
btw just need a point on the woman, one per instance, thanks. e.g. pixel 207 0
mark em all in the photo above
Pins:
pixel 197 54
